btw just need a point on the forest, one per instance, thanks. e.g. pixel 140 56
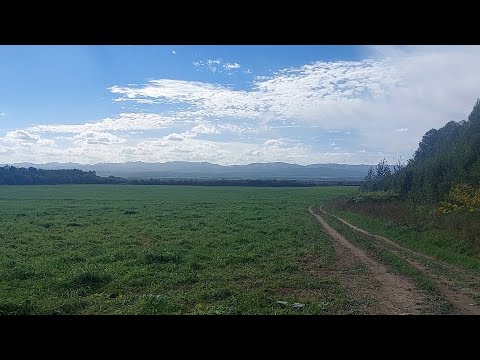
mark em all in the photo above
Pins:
pixel 10 175
pixel 438 189
pixel 446 163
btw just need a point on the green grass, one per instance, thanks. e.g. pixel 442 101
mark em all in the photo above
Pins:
pixel 101 249
pixel 438 243
pixel 436 304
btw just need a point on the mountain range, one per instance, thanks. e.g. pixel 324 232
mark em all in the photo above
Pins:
pixel 205 170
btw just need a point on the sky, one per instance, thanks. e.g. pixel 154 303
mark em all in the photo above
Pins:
pixel 228 105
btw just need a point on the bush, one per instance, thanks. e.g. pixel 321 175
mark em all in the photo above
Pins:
pixel 462 198
pixel 374 196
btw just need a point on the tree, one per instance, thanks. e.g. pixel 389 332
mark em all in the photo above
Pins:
pixel 474 116
pixel 382 170
pixel 426 145
pixel 399 165
pixel 369 181
pixel 444 158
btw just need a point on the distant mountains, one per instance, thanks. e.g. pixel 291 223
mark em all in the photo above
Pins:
pixel 205 170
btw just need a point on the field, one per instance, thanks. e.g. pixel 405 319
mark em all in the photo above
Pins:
pixel 106 249
pixel 122 249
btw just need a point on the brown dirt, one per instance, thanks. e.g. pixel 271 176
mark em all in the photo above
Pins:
pixel 459 296
pixel 391 293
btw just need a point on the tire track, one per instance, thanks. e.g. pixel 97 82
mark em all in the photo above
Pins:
pixel 459 297
pixel 395 294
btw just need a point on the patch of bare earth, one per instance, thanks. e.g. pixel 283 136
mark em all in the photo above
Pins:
pixel 459 292
pixel 377 290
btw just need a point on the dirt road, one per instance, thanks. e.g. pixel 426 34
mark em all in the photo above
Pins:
pixel 393 293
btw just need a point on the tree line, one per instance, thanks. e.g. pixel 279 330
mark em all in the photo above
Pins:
pixel 444 158
pixel 10 175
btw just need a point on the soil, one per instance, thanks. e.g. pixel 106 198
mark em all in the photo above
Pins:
pixel 459 292
pixel 380 291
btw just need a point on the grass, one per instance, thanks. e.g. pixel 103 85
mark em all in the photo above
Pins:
pixel 102 249
pixel 392 222
pixel 436 304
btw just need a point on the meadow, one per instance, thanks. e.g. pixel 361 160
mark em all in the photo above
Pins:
pixel 121 249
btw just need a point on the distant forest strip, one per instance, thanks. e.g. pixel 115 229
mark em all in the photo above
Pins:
pixel 10 175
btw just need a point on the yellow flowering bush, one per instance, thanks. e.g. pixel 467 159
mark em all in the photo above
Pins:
pixel 461 198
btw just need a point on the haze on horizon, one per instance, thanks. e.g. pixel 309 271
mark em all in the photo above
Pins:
pixel 229 104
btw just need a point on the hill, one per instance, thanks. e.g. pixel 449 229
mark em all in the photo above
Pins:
pixel 205 170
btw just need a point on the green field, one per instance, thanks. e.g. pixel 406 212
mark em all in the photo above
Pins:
pixel 101 249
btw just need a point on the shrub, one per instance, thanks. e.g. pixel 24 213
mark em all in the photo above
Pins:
pixel 374 196
pixel 462 198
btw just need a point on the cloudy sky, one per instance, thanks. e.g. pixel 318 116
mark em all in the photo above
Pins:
pixel 229 104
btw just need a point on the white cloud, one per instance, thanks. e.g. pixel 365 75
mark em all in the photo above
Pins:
pixel 216 65
pixel 174 52
pixel 231 66
pixel 386 101
pixel 5 150
pixel 175 137
pixel 213 62
pixel 205 129
pixel 232 128
pixel 3 114
pixel 100 138
pixel 21 136
pixel 273 142
pixel 123 122
pixel 414 88
pixel 212 65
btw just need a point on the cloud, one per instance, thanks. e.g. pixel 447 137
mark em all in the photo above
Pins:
pixel 310 93
pixel 175 137
pixel 3 114
pixel 214 62
pixel 216 65
pixel 232 128
pixel 123 122
pixel 205 129
pixel 5 150
pixel 21 136
pixel 384 103
pixel 231 66
pixel 414 88
pixel 100 138
pixel 174 52
pixel 273 142
pixel 212 65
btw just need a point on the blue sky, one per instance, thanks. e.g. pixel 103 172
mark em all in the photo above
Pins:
pixel 229 104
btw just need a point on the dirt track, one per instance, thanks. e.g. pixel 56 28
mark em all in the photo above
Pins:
pixel 396 294
pixel 393 294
